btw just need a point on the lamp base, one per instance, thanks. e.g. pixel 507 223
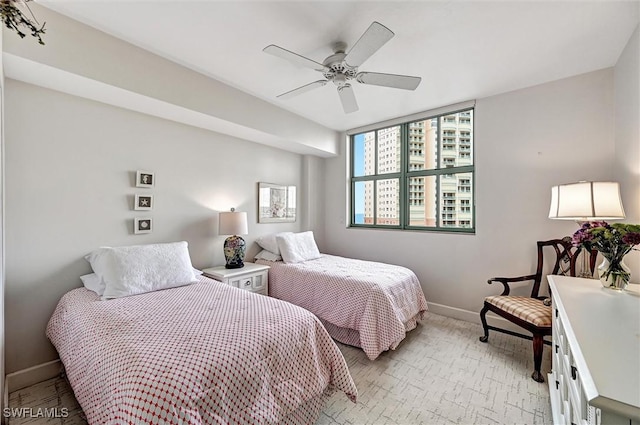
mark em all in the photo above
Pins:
pixel 234 247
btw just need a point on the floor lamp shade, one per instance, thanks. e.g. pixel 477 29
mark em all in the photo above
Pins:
pixel 233 223
pixel 586 201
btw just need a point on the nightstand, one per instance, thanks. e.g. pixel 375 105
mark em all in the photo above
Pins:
pixel 252 277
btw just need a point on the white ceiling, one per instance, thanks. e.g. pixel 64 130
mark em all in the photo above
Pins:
pixel 463 50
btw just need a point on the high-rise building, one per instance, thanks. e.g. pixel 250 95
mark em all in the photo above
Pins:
pixel 388 161
pixel 456 189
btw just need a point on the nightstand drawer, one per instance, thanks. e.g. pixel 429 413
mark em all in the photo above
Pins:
pixel 243 283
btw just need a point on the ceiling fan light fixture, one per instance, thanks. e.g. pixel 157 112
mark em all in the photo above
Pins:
pixel 340 80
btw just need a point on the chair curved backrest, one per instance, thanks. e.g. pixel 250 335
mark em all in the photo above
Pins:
pixel 564 261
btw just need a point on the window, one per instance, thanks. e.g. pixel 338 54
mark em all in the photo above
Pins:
pixel 416 175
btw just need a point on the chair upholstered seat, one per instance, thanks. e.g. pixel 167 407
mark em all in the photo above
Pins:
pixel 529 309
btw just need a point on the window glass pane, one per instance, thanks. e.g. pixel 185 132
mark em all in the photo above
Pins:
pixel 364 154
pixel 363 202
pixel 389 150
pixel 456 140
pixel 423 140
pixel 457 200
pixel 422 201
pixel 388 202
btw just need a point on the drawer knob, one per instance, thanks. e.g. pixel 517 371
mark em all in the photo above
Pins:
pixel 557 348
pixel 574 372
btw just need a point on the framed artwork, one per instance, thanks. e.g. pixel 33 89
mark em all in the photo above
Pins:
pixel 145 179
pixel 142 225
pixel 143 202
pixel 276 203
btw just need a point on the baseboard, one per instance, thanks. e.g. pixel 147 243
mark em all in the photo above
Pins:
pixel 472 316
pixel 32 375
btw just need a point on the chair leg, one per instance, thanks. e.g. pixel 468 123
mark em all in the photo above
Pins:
pixel 483 318
pixel 538 344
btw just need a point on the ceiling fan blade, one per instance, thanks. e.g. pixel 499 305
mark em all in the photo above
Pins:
pixel 373 38
pixel 405 82
pixel 348 98
pixel 302 89
pixel 278 51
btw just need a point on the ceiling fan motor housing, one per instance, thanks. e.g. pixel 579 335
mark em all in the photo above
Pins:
pixel 338 70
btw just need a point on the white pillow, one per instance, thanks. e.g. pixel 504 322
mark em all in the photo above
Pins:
pixel 268 256
pixel 297 247
pixel 131 270
pixel 93 282
pixel 269 242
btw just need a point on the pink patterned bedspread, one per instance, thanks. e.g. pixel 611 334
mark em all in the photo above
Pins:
pixel 368 304
pixel 205 353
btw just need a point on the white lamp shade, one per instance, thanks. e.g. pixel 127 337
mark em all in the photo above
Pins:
pixel 233 223
pixel 586 201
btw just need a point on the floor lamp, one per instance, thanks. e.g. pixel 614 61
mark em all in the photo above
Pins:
pixel 586 201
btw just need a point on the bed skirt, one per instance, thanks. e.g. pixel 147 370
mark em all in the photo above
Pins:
pixel 352 337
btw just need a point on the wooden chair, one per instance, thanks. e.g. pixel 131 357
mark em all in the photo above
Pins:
pixel 533 313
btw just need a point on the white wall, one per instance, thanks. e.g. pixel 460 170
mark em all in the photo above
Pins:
pixel 312 198
pixel 70 166
pixel 526 141
pixel 627 137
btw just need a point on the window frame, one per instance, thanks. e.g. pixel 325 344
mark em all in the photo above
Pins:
pixel 405 175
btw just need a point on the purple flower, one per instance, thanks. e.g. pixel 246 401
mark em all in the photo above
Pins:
pixel 581 236
pixel 631 238
pixel 585 226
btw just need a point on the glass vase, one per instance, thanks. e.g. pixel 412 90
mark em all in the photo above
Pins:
pixel 614 275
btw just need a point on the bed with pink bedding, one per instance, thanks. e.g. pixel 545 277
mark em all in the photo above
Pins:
pixel 204 353
pixel 361 303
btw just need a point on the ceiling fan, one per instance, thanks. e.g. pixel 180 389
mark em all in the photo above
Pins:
pixel 340 68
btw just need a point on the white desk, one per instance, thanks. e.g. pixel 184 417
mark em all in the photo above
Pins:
pixel 596 353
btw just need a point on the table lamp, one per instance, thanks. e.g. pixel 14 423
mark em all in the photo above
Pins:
pixel 586 201
pixel 233 223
